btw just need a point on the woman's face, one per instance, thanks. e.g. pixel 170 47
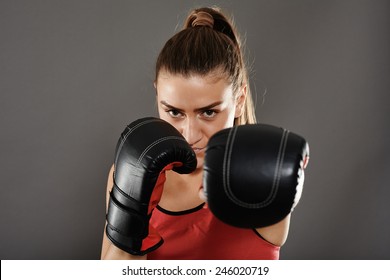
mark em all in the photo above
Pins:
pixel 197 106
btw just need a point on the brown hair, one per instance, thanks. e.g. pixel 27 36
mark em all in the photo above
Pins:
pixel 207 44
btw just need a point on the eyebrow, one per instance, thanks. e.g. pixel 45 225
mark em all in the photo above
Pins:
pixel 205 108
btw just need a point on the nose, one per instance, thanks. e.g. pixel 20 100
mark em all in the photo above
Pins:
pixel 191 131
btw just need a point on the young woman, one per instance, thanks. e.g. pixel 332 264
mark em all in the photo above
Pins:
pixel 202 87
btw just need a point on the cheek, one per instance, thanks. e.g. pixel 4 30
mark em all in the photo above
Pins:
pixel 165 117
pixel 160 112
pixel 225 120
pixel 229 115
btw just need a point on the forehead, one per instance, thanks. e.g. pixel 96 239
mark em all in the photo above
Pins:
pixel 196 90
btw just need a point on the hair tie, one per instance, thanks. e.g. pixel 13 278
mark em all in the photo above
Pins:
pixel 203 19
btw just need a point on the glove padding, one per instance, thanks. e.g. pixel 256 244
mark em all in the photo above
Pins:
pixel 253 174
pixel 146 149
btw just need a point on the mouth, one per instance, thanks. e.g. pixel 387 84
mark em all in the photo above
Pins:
pixel 198 150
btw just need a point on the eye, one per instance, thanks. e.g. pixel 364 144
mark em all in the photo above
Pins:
pixel 174 113
pixel 209 113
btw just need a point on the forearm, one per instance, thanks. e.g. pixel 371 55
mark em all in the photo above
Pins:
pixel 114 253
pixel 111 252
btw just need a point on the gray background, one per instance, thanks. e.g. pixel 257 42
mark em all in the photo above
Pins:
pixel 74 73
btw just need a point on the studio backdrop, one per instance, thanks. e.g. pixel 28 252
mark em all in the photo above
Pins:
pixel 74 73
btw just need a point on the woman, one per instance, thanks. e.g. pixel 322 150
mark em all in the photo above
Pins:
pixel 202 87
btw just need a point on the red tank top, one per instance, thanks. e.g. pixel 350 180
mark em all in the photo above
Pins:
pixel 197 234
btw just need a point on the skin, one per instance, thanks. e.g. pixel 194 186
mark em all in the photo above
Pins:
pixel 197 106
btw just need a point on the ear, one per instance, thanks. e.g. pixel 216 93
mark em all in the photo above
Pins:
pixel 240 101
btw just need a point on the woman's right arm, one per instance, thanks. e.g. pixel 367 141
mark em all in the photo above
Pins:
pixel 109 250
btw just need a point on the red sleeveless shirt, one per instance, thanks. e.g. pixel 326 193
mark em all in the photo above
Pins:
pixel 197 234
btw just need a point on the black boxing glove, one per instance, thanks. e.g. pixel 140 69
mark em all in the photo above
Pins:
pixel 253 174
pixel 146 149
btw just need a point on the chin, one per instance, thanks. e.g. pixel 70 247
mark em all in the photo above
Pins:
pixel 200 162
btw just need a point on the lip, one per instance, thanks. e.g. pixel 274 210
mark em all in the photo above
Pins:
pixel 198 150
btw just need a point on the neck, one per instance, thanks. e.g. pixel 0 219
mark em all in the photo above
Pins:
pixel 192 180
pixel 181 191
